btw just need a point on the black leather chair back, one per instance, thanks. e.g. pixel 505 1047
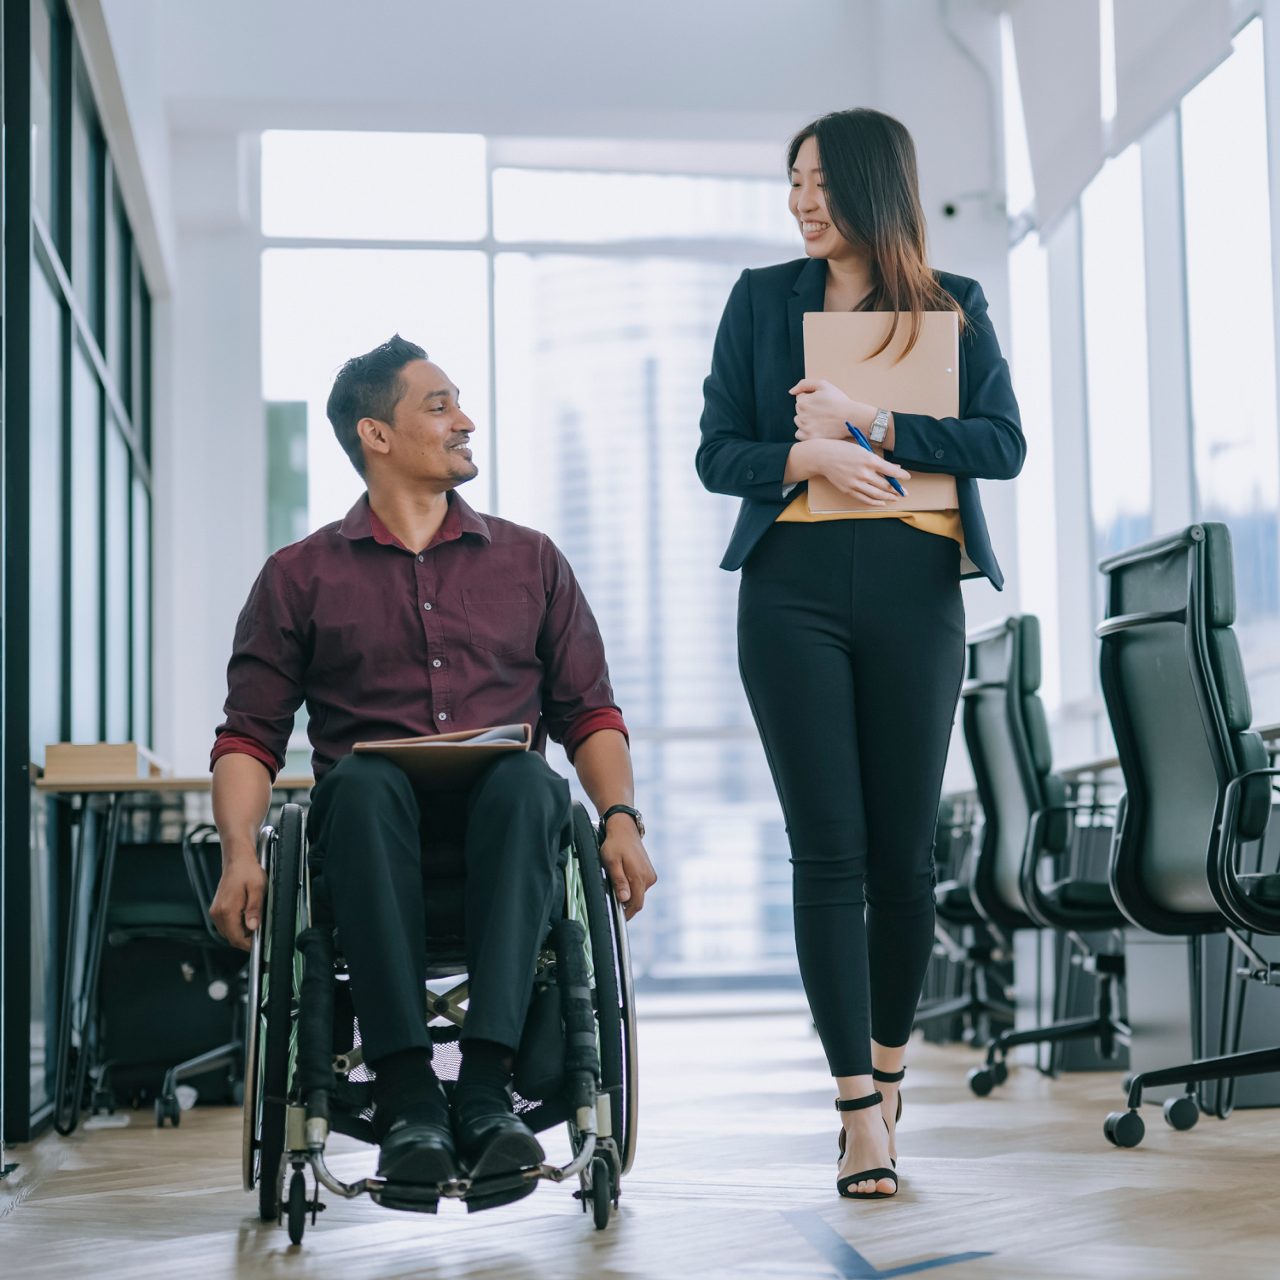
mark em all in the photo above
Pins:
pixel 1007 737
pixel 1176 695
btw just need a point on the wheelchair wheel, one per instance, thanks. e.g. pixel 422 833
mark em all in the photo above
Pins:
pixel 615 1000
pixel 269 1034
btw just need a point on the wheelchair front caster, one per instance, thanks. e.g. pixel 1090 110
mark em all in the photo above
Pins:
pixel 297 1207
pixel 981 1081
pixel 167 1108
pixel 1124 1128
pixel 601 1192
pixel 1181 1113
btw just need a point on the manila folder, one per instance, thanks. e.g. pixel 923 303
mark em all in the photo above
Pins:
pixel 450 761
pixel 838 347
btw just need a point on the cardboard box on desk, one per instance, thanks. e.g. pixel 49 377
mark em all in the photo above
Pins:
pixel 99 762
pixel 450 761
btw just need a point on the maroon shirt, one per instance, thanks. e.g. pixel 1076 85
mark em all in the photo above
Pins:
pixel 487 626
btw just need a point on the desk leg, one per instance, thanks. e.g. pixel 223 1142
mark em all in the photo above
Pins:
pixel 67 1115
pixel 66 1004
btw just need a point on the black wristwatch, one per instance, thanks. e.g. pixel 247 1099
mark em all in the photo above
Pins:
pixel 620 808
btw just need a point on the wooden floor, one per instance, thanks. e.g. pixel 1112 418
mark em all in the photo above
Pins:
pixel 735 1178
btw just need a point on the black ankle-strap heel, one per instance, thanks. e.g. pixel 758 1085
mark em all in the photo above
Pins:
pixel 880 1077
pixel 867 1175
pixel 890 1077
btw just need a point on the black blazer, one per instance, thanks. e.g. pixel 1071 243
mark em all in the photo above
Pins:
pixel 748 423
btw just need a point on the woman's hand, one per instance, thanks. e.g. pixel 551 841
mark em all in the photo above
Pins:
pixel 822 410
pixel 855 471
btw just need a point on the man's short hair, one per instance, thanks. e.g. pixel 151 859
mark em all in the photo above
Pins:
pixel 369 386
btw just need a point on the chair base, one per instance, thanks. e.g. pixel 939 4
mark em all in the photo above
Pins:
pixel 1104 1027
pixel 1125 1128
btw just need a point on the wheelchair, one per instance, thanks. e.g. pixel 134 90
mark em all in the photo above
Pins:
pixel 305 1076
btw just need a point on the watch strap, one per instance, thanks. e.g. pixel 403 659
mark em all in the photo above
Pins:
pixel 620 808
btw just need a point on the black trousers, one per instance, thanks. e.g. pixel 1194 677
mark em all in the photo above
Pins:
pixel 367 833
pixel 851 648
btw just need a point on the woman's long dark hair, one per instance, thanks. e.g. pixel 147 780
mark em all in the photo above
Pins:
pixel 873 195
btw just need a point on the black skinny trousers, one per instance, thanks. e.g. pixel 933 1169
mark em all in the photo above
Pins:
pixel 368 830
pixel 851 648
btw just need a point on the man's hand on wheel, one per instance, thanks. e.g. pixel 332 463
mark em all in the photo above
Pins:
pixel 237 906
pixel 627 864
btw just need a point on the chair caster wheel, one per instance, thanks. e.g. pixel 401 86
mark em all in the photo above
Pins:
pixel 981 1081
pixel 601 1192
pixel 1124 1128
pixel 1182 1112
pixel 297 1206
pixel 1000 1071
pixel 167 1108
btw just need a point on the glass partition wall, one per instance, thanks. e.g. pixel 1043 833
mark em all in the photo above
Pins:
pixel 77 498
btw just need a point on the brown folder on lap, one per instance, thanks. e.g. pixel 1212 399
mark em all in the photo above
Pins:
pixel 450 761
pixel 838 347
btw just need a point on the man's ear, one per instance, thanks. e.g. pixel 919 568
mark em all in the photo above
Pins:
pixel 374 433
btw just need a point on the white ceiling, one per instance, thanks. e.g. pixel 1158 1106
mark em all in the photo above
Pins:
pixel 714 69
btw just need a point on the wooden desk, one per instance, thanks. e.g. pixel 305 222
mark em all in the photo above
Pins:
pixel 80 991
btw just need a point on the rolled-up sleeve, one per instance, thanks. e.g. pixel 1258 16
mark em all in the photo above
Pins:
pixel 731 457
pixel 264 676
pixel 577 696
pixel 986 440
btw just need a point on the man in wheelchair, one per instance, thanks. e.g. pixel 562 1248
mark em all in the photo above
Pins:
pixel 416 615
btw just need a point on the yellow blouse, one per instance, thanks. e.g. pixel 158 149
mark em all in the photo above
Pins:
pixel 944 523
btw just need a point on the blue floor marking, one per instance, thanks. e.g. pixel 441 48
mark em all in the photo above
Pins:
pixel 849 1263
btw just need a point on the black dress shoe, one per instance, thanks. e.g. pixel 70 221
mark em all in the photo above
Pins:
pixel 496 1148
pixel 418 1150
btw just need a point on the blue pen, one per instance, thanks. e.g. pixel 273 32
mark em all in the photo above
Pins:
pixel 866 444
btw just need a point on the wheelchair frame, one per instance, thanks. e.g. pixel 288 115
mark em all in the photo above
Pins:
pixel 282 1127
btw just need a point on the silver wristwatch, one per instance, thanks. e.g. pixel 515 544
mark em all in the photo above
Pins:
pixel 880 426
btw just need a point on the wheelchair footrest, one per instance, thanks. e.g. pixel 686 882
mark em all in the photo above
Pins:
pixel 489 1193
pixel 406 1196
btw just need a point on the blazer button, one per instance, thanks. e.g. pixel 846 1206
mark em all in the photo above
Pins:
pixel 751 475
pixel 937 453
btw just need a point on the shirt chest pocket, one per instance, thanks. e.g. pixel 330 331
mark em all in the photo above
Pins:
pixel 502 621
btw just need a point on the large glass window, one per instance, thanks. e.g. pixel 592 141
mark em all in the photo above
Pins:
pixel 42 89
pixel 45 441
pixel 429 186
pixel 322 306
pixel 140 597
pixel 1230 316
pixel 86 203
pixel 1115 319
pixel 600 347
pixel 116 600
pixel 86 596
pixel 601 208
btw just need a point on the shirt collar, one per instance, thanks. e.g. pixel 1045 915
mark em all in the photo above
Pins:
pixel 362 522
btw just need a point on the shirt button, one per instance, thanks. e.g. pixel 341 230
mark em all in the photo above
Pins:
pixel 937 453
pixel 442 716
pixel 419 559
pixel 751 475
pixel 426 606
pixel 435 662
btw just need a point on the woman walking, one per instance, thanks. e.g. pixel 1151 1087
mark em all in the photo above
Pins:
pixel 851 626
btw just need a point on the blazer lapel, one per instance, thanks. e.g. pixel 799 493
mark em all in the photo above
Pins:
pixel 807 294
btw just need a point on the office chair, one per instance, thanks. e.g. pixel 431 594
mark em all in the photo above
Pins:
pixel 1026 874
pixel 1197 783
pixel 967 946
